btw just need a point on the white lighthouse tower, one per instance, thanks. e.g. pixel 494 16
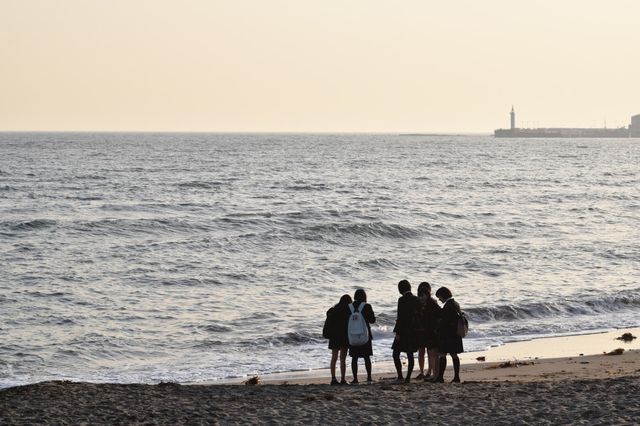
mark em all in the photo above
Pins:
pixel 513 118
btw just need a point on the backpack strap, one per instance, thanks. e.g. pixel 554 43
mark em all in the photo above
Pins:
pixel 352 308
pixel 361 307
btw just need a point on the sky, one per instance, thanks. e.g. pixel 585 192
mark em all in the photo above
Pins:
pixel 317 66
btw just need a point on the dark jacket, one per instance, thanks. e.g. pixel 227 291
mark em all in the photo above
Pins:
pixel 449 320
pixel 337 321
pixel 407 324
pixel 430 313
pixel 408 311
pixel 449 341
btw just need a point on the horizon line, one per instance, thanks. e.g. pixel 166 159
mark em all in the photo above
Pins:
pixel 262 132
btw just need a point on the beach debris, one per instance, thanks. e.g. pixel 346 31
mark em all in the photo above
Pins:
pixel 626 337
pixel 618 351
pixel 168 384
pixel 255 380
pixel 512 364
pixel 481 358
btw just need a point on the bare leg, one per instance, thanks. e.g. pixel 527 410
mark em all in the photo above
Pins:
pixel 367 365
pixel 332 365
pixel 442 367
pixel 456 368
pixel 410 363
pixel 354 369
pixel 343 363
pixel 433 361
pixel 421 360
pixel 398 363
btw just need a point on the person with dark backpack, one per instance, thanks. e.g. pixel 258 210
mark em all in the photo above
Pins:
pixel 335 329
pixel 448 334
pixel 365 350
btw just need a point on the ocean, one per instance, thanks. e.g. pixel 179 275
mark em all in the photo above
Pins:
pixel 140 257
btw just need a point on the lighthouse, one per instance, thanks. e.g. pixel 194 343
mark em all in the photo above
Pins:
pixel 513 118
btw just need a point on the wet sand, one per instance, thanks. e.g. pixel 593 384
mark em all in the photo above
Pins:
pixel 596 389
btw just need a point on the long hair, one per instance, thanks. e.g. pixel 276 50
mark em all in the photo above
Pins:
pixel 424 289
pixel 360 296
pixel 345 300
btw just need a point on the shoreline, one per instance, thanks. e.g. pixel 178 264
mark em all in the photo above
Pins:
pixel 560 391
pixel 543 350
pixel 587 389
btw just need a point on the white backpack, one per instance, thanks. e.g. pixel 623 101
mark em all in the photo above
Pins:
pixel 357 329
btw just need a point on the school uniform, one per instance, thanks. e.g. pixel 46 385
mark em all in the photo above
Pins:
pixel 429 318
pixel 450 342
pixel 339 319
pixel 406 327
pixel 369 317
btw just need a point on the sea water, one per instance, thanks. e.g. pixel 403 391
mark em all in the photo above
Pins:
pixel 187 257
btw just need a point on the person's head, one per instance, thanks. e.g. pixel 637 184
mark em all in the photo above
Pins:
pixel 345 299
pixel 360 295
pixel 443 294
pixel 424 289
pixel 404 286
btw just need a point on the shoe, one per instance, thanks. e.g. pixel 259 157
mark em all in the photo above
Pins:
pixel 354 382
pixel 343 382
pixel 456 380
pixel 334 382
pixel 407 380
pixel 420 376
pixel 438 380
pixel 427 378
pixel 399 380
pixel 369 381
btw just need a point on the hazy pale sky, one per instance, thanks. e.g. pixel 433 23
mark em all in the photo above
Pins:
pixel 324 65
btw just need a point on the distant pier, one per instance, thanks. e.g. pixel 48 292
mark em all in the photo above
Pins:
pixel 632 131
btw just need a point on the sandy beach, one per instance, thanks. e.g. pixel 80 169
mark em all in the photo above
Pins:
pixel 589 389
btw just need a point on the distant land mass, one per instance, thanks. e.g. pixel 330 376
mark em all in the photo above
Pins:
pixel 433 134
pixel 632 131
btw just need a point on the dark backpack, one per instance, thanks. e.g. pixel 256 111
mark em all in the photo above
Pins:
pixel 329 324
pixel 462 325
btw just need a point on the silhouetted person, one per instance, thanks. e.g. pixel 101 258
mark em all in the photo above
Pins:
pixel 450 342
pixel 428 333
pixel 365 351
pixel 405 329
pixel 338 318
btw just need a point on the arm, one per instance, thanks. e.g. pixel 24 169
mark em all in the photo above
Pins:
pixel 369 315
pixel 396 327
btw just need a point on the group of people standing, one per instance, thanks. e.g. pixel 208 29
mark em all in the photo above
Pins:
pixel 422 326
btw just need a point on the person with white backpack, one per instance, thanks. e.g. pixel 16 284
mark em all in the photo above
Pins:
pixel 359 332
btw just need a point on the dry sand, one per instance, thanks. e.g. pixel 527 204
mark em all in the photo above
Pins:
pixel 597 389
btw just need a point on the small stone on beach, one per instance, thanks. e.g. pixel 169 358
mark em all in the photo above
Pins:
pixel 618 351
